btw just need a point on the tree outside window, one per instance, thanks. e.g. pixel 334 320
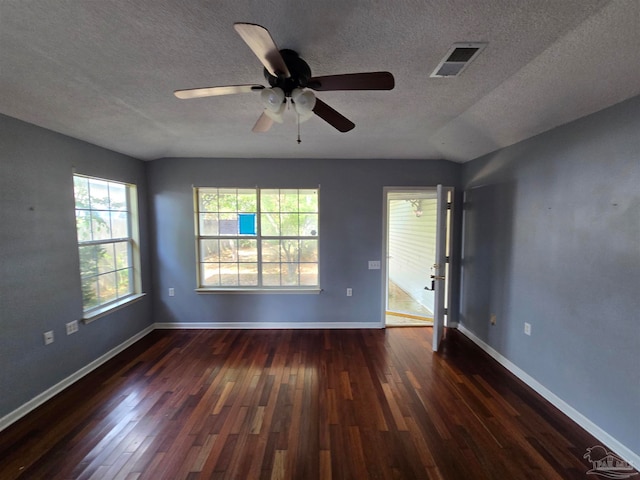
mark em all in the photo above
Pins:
pixel 105 242
pixel 257 238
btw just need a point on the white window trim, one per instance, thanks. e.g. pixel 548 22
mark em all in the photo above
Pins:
pixel 260 290
pixel 104 310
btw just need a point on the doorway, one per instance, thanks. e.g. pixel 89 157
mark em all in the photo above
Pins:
pixel 410 244
pixel 417 245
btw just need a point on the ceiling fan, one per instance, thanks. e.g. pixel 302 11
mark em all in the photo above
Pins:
pixel 290 79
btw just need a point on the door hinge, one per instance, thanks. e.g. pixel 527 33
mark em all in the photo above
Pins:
pixel 449 204
pixel 446 311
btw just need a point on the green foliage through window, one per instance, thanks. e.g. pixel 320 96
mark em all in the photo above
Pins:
pixel 103 224
pixel 257 238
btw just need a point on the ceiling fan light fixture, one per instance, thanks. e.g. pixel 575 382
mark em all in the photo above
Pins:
pixel 287 72
pixel 303 102
pixel 273 99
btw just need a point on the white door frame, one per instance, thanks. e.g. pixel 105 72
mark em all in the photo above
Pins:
pixel 385 253
pixel 385 247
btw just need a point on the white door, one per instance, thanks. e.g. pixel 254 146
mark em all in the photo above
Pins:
pixel 440 270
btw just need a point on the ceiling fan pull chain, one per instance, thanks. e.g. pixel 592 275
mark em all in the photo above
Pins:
pixel 298 121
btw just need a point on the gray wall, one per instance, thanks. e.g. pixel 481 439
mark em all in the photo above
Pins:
pixel 39 270
pixel 552 238
pixel 350 235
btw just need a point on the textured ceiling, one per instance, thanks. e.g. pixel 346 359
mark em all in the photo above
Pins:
pixel 104 71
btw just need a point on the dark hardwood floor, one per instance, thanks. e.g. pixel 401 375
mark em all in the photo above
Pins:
pixel 303 404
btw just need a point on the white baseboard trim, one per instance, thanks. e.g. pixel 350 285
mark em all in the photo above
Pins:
pixel 35 402
pixel 620 449
pixel 266 325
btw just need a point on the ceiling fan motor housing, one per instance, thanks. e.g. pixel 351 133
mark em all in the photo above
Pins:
pixel 298 68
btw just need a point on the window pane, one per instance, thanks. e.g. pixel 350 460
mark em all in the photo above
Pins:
pixel 248 274
pixel 228 250
pixel 210 250
pixel 247 201
pixel 107 287
pixel 90 292
pixel 122 255
pixel 288 200
pixel 247 250
pixel 270 224
pixel 210 274
pixel 117 196
pixel 208 199
pixel 100 225
pixel 270 200
pixel 271 250
pixel 227 200
pixel 228 224
pixel 289 250
pixel 308 201
pixel 308 274
pixel 229 274
pixel 83 225
pixel 81 192
pixel 89 260
pixel 309 225
pixel 119 224
pixel 271 274
pixel 98 194
pixel 209 224
pixel 289 274
pixel 123 277
pixel 106 258
pixel 289 224
pixel 308 250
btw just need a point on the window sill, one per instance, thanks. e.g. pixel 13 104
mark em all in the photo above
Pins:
pixel 100 312
pixel 261 291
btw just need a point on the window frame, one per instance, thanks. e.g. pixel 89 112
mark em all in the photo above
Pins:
pixel 259 237
pixel 131 240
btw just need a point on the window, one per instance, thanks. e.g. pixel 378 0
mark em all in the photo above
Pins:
pixel 257 239
pixel 106 223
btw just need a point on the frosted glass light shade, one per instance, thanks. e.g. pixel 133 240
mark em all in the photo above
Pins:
pixel 303 102
pixel 273 99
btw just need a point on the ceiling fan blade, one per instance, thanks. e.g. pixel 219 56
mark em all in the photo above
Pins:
pixel 353 81
pixel 214 91
pixel 262 45
pixel 332 117
pixel 263 124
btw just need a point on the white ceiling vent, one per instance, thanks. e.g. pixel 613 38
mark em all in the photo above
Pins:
pixel 457 58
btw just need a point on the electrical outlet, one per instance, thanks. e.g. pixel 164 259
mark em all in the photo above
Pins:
pixel 492 320
pixel 349 292
pixel 48 337
pixel 172 292
pixel 374 264
pixel 72 327
pixel 527 328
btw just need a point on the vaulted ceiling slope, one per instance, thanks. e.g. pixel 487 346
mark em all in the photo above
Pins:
pixel 105 71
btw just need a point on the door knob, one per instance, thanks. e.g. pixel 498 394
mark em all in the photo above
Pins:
pixel 437 277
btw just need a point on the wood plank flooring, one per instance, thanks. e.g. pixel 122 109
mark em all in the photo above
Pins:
pixel 304 404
